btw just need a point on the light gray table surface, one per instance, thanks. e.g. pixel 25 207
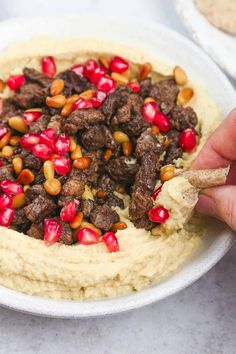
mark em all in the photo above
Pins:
pixel 199 320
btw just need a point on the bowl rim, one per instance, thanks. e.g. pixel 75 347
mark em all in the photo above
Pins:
pixel 74 309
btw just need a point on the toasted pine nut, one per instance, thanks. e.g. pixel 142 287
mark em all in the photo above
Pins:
pixel 82 163
pixel 76 221
pixel 18 124
pixel 56 101
pixel 180 76
pixel 87 193
pixel 86 95
pixel 5 140
pixel 14 141
pixel 149 99
pixel 127 148
pixel 127 74
pixel 119 79
pixel 57 87
pixel 2 86
pixel 17 164
pixel 72 99
pixel 121 190
pixel 25 177
pixel 19 201
pixel 119 226
pixel 185 96
pixel 52 186
pixel 7 151
pixel 167 172
pixel 73 145
pixel 77 153
pixel 104 60
pixel 48 169
pixel 155 129
pixel 107 154
pixel 101 194
pixel 91 226
pixel 145 70
pixel 34 110
pixel 26 187
pixel 66 110
pixel 120 137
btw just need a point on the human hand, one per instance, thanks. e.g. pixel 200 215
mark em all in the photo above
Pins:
pixel 220 151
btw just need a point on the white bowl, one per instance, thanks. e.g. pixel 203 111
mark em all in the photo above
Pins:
pixel 174 49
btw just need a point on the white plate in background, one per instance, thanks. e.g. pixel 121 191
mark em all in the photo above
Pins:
pixel 175 49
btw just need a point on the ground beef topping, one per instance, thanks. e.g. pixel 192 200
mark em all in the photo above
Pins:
pixel 77 145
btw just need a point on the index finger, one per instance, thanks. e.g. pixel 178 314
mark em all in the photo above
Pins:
pixel 220 148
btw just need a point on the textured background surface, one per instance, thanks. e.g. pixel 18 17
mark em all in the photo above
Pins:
pixel 198 320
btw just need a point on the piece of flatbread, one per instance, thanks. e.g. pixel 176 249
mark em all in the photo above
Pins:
pixel 206 178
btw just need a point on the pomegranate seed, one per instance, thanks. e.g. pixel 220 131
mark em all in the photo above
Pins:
pixel 6 216
pixel 87 236
pixel 97 74
pixel 42 151
pixel 149 111
pixel 106 84
pixel 78 69
pixel 135 86
pixel 49 66
pixel 62 144
pixel 162 121
pixel 62 165
pixel 5 201
pixel 9 187
pixel 15 82
pixel 48 136
pixel 158 214
pixel 187 140
pixel 89 68
pixel 81 103
pixel 28 141
pixel 68 211
pixel 110 240
pixel 118 64
pixel 156 192
pixel 52 231
pixel 30 117
pixel 1 163
pixel 98 99
pixel 3 131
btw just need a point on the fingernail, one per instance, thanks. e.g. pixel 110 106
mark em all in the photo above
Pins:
pixel 205 205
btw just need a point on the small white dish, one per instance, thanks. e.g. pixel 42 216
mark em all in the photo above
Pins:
pixel 220 45
pixel 164 44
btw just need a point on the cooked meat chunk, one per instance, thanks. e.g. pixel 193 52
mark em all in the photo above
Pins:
pixel 36 77
pixel 19 217
pixel 86 207
pixel 103 217
pixel 173 150
pixel 36 231
pixel 183 118
pixel 34 191
pixel 6 172
pixel 140 203
pixel 165 93
pixel 148 142
pixel 30 161
pixel 56 123
pixel 124 113
pixel 147 174
pixel 97 137
pixel 115 100
pixel 83 118
pixel 92 173
pixel 106 184
pixel 39 125
pixel 114 201
pixel 66 235
pixel 145 87
pixel 144 223
pixel 122 169
pixel 7 110
pixel 39 209
pixel 30 96
pixel 73 82
pixel 74 187
pixel 62 200
pixel 135 126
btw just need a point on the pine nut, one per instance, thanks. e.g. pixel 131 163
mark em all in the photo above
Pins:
pixel 52 186
pixel 77 153
pixel 48 169
pixel 57 87
pixel 76 222
pixel 25 177
pixel 120 137
pixel 7 151
pixel 167 172
pixel 56 101
pixel 180 76
pixel 17 164
pixel 145 70
pixel 19 201
pixel 17 123
pixel 185 96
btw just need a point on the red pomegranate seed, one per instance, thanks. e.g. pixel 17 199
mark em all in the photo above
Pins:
pixel 162 121
pixel 89 68
pixel 188 140
pixel 1 163
pixel 15 82
pixel 156 192
pixel 62 144
pixel 5 201
pixel 52 231
pixel 28 141
pixel 106 84
pixel 87 236
pixel 3 131
pixel 81 103
pixel 149 111
pixel 68 211
pixel 62 165
pixel 110 240
pixel 118 64
pixel 49 66
pixel 97 74
pixel 158 214
pixel 9 187
pixel 48 136
pixel 98 98
pixel 42 151
pixel 135 86
pixel 30 117
pixel 6 216
pixel 78 69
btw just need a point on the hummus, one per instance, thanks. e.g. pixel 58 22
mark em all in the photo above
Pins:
pixel 80 272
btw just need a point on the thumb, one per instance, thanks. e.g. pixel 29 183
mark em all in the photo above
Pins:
pixel 219 202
